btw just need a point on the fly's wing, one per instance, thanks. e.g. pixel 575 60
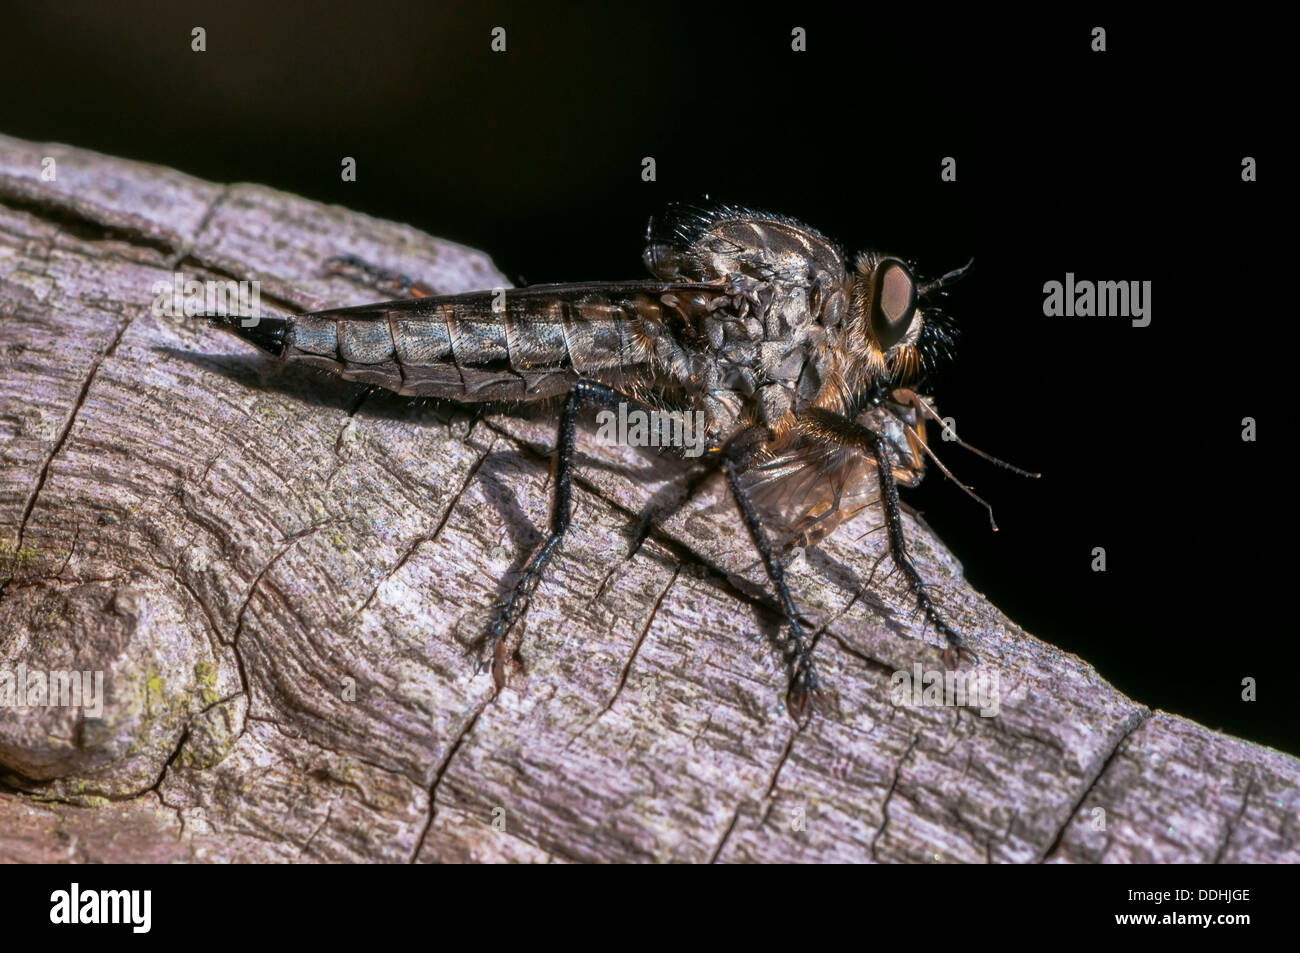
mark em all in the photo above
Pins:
pixel 807 489
pixel 531 298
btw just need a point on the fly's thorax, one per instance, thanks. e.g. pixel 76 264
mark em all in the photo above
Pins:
pixel 780 357
pixel 701 244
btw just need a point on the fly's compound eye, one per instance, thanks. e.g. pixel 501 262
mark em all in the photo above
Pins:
pixel 893 303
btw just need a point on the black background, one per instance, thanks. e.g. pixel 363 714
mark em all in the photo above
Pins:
pixel 1123 165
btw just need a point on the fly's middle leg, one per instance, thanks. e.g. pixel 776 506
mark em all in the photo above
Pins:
pixel 583 393
pixel 850 433
pixel 803 673
pixel 391 283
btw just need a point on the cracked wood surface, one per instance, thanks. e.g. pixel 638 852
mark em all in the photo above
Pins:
pixel 280 576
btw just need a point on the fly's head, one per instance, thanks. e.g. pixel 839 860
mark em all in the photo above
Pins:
pixel 895 338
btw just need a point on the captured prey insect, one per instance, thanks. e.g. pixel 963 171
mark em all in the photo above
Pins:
pixel 798 362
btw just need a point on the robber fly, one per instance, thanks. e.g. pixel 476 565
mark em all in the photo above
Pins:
pixel 799 362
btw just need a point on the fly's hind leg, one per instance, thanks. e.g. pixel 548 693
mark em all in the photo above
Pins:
pixel 803 673
pixel 850 433
pixel 393 284
pixel 583 393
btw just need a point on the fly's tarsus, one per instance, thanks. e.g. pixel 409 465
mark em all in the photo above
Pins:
pixel 803 673
pixel 584 393
pixel 361 272
pixel 852 433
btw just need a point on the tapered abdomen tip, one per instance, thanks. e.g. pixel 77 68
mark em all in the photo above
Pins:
pixel 268 334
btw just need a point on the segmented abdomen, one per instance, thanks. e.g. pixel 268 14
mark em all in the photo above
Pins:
pixel 539 342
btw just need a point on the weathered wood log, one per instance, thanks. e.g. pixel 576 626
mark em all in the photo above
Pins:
pixel 281 578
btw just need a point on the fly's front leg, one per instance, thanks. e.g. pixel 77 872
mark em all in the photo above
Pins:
pixel 803 674
pixel 852 434
pixel 583 393
pixel 389 283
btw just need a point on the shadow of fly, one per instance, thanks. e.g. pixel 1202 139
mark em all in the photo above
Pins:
pixel 792 367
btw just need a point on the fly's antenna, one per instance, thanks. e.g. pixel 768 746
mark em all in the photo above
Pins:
pixel 968 490
pixel 952 435
pixel 939 283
